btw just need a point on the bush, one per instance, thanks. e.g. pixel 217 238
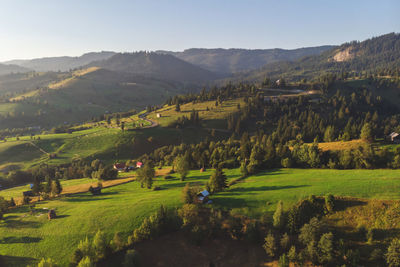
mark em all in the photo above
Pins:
pixel 47 263
pixel 131 258
pixel 86 262
pixel 270 245
pixel 393 253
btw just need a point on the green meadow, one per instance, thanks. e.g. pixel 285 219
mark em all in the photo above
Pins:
pixel 26 238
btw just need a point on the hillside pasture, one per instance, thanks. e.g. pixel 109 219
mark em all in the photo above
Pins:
pixel 27 238
pixel 215 113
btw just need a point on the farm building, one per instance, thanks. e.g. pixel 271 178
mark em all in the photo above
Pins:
pixel 139 164
pixel 203 197
pixel 158 115
pixel 394 138
pixel 119 166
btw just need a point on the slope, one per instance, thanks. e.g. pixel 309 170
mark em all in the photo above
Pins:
pixel 236 60
pixel 370 56
pixel 61 63
pixel 155 65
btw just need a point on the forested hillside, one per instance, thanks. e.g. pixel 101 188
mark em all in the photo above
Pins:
pixel 229 61
pixel 157 66
pixel 379 55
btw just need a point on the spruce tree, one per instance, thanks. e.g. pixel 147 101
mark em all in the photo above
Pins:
pixel 217 181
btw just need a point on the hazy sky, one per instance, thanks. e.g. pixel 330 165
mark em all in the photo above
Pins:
pixel 37 28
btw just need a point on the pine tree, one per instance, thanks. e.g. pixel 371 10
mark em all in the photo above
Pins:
pixel 217 181
pixel 393 253
pixel 182 166
pixel 366 133
pixel 279 220
pixel 325 246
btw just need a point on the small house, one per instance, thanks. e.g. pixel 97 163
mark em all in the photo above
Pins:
pixel 203 197
pixel 394 138
pixel 158 115
pixel 119 167
pixel 139 164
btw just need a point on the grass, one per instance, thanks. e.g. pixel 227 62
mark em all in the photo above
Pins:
pixel 220 112
pixel 27 238
pixel 341 145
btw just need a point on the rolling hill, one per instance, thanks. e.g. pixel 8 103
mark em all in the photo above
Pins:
pixel 236 60
pixel 160 66
pixel 12 68
pixel 78 96
pixel 61 63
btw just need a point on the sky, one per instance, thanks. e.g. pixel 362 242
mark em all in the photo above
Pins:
pixel 42 28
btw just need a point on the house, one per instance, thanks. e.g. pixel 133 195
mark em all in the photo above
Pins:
pixel 119 167
pixel 139 164
pixel 158 115
pixel 394 138
pixel 203 197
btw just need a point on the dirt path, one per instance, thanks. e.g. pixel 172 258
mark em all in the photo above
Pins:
pixel 144 117
pixel 40 149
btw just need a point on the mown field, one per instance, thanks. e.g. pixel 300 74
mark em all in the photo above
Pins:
pixel 26 238
pixel 213 117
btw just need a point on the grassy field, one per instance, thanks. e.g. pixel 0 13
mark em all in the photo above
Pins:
pixel 215 113
pixel 26 238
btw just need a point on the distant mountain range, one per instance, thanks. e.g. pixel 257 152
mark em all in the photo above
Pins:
pixel 160 66
pixel 229 61
pixel 11 68
pixel 61 63
pixel 192 65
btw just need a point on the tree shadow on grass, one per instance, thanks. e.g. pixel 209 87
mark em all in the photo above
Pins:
pixel 230 202
pixel 85 198
pixel 262 188
pixel 22 239
pixel 16 261
pixel 182 184
pixel 21 224
pixel 342 204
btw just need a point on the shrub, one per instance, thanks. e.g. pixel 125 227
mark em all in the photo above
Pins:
pixel 86 262
pixel 311 231
pixel 283 261
pixel 393 253
pixel 117 243
pixel 376 255
pixel 131 258
pixel 325 246
pixel 47 263
pixel 285 242
pixel 279 219
pixel 270 245
pixel 329 203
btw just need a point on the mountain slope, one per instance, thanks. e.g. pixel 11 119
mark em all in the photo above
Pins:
pixel 80 95
pixel 156 65
pixel 61 63
pixel 236 60
pixel 372 56
pixel 11 68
